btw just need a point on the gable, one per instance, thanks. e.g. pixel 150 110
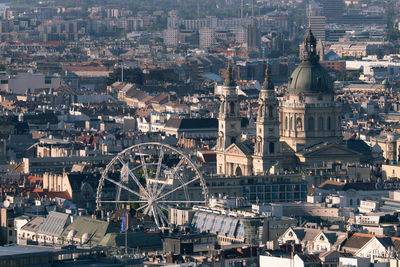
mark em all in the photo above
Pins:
pixel 321 238
pixel 372 245
pixel 234 149
pixel 289 234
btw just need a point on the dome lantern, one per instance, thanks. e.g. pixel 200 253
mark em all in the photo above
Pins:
pixel 310 77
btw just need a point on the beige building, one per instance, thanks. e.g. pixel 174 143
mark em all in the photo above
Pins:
pixel 389 145
pixel 314 240
pixel 179 216
pixel 237 157
pixel 390 172
pixel 308 112
pixel 304 128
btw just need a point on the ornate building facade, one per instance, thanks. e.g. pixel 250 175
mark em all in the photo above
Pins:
pixel 308 112
pixel 238 157
pixel 303 129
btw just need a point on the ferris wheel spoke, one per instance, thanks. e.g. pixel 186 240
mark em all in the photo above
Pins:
pixel 159 164
pixel 144 165
pixel 135 179
pixel 162 206
pixel 123 201
pixel 163 218
pixel 179 164
pixel 184 188
pixel 155 216
pixel 142 207
pixel 159 192
pixel 122 186
pixel 180 201
pixel 118 196
pixel 147 210
pixel 177 188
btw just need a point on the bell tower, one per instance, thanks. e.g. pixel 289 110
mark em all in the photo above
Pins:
pixel 267 150
pixel 229 119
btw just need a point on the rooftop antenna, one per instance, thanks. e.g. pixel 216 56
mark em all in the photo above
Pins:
pixel 198 10
pixel 252 8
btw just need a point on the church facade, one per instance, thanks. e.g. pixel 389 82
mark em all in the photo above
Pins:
pixel 238 157
pixel 308 113
pixel 302 128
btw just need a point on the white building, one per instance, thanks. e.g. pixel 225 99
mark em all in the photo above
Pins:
pixel 23 82
pixel 207 37
pixel 296 261
pixel 171 37
pixel 354 262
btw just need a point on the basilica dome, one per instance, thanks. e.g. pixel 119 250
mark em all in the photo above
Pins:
pixel 310 77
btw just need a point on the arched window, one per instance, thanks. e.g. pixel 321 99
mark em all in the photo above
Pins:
pixel 320 124
pixel 351 202
pixel 271 148
pixel 286 123
pixel 270 111
pixel 238 171
pixel 328 124
pixel 311 126
pixel 299 124
pixel 232 108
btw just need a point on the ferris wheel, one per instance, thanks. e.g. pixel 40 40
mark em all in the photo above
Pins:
pixel 151 177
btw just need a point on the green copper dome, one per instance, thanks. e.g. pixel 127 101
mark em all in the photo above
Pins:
pixel 310 77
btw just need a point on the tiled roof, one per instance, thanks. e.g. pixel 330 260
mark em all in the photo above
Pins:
pixel 357 240
pixel 51 195
pixel 160 98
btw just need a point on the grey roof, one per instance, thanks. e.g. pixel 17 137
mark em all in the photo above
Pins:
pixel 387 242
pixel 21 250
pixel 54 224
pixel 246 147
pixel 198 123
pixel 33 225
pixel 95 229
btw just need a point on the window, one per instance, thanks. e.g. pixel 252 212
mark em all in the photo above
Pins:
pixel 320 124
pixel 299 124
pixel 328 123
pixel 311 126
pixel 232 108
pixel 291 124
pixel 4 81
pixel 238 171
pixel 270 111
pixel 271 148
pixel 286 123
